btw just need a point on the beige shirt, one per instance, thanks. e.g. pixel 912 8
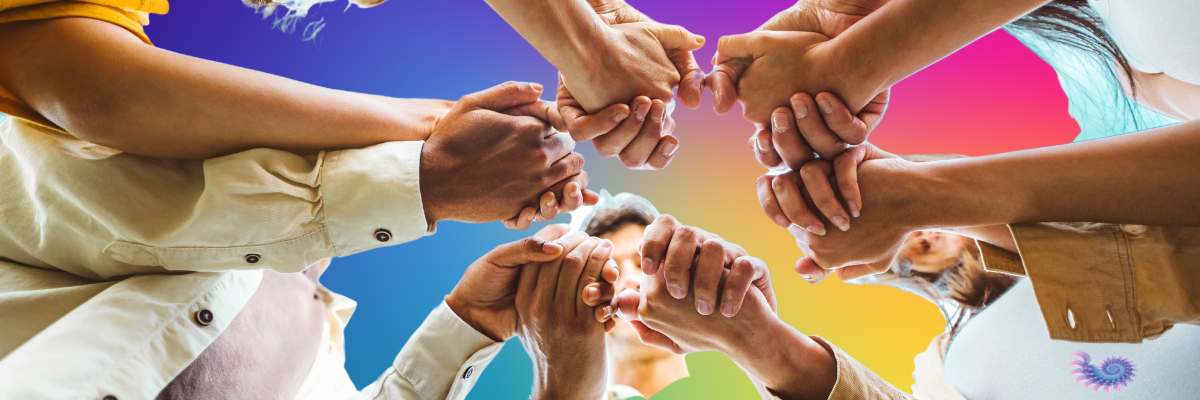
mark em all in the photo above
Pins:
pixel 1118 283
pixel 111 264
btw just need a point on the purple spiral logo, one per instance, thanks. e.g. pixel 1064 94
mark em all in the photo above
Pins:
pixel 1112 373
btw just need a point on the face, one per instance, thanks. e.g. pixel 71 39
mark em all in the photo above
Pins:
pixel 933 252
pixel 623 339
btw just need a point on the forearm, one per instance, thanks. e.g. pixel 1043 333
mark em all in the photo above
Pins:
pixel 101 84
pixel 996 235
pixel 1145 178
pixel 905 36
pixel 790 364
pixel 561 30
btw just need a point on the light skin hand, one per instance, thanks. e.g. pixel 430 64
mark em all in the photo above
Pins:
pixel 682 252
pixel 557 328
pixel 772 353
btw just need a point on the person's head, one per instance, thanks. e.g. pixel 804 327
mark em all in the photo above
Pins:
pixel 624 224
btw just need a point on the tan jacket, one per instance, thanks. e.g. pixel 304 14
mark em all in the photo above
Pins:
pixel 107 260
pixel 1118 283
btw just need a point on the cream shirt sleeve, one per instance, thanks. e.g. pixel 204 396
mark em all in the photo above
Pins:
pixel 442 360
pixel 99 213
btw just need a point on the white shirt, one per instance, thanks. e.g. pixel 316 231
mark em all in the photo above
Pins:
pixel 116 270
pixel 1156 35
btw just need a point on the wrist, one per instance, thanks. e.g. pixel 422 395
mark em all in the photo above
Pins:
pixel 468 314
pixel 794 366
pixel 953 194
pixel 432 200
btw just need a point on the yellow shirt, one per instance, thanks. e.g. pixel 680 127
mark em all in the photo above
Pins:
pixel 129 14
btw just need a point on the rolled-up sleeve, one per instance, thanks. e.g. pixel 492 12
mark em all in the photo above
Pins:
pixel 1106 282
pixel 857 382
pixel 442 360
pixel 100 213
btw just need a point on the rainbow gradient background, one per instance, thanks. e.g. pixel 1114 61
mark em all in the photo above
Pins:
pixel 993 96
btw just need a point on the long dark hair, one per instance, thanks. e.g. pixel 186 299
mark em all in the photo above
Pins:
pixel 1076 24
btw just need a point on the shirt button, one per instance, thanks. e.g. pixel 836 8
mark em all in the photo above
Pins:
pixel 204 317
pixel 468 372
pixel 383 235
pixel 110 397
pixel 252 258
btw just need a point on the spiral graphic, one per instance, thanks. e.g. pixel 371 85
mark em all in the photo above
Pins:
pixel 1112 373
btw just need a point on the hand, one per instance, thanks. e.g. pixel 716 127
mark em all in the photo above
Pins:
pixel 890 184
pixel 484 297
pixel 494 154
pixel 791 145
pixel 779 196
pixel 639 145
pixel 557 328
pixel 761 69
pixel 775 355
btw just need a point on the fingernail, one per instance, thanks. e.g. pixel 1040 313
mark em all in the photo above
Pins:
pixel 669 149
pixel 698 81
pixel 841 223
pixel 800 108
pixel 676 291
pixel 593 294
pixel 659 117
pixel 716 96
pixel 550 203
pixel 807 277
pixel 648 266
pixel 620 116
pixel 853 208
pixel 550 248
pixel 764 144
pixel 536 86
pixel 703 307
pixel 605 244
pixel 607 312
pixel 727 310
pixel 816 229
pixel 826 106
pixel 780 120
pixel 641 112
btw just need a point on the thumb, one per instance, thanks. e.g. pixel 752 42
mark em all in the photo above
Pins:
pixel 524 251
pixel 627 303
pixel 674 37
pixel 504 96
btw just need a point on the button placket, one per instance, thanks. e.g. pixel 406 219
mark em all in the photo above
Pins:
pixel 253 258
pixel 204 317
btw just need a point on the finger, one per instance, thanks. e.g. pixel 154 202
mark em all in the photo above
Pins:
pixel 627 303
pixel 504 96
pixel 809 270
pixel 584 126
pixel 870 116
pixel 691 84
pixel 722 82
pixel 685 243
pixel 845 168
pixel 609 325
pixel 815 176
pixel 589 197
pixel 612 143
pixel 764 149
pixel 861 270
pixel 547 281
pixel 768 202
pixel 655 338
pixel 838 118
pixel 524 251
pixel 539 109
pixel 638 151
pixel 811 120
pixel 664 153
pixel 611 272
pixel 598 293
pixel 527 285
pixel 792 148
pixel 673 37
pixel 655 240
pixel 604 313
pixel 787 192
pixel 549 206
pixel 563 169
pixel 558 145
pixel 742 273
pixel 571 196
pixel 710 266
pixel 524 220
pixel 591 274
pixel 568 294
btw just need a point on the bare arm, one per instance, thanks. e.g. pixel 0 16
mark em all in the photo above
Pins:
pixel 102 84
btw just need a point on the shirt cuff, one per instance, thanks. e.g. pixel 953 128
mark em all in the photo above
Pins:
pixel 1083 278
pixel 373 196
pixel 445 356
pixel 855 381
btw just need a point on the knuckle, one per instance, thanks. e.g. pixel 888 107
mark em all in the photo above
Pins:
pixel 574 258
